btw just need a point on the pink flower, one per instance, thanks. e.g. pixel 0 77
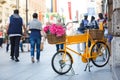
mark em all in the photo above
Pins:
pixel 60 31
pixel 53 29
pixel 46 29
pixel 57 30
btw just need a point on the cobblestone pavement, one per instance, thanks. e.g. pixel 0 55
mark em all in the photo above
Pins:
pixel 25 70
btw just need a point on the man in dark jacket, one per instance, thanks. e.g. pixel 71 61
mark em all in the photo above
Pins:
pixel 81 30
pixel 14 30
pixel 83 24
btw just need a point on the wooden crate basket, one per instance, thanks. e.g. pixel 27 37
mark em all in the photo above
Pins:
pixel 96 34
pixel 53 39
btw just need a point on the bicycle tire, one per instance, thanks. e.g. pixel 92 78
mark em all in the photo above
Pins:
pixel 61 64
pixel 100 56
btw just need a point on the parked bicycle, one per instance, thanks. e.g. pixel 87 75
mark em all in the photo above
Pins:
pixel 98 53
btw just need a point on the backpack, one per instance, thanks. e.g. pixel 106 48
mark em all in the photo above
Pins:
pixel 96 25
pixel 82 27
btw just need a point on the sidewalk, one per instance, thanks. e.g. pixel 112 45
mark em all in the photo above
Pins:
pixel 25 70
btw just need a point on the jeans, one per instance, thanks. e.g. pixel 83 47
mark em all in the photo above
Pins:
pixel 59 46
pixel 21 46
pixel 7 47
pixel 36 41
pixel 14 41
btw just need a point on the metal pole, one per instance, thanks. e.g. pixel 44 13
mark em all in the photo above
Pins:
pixel 26 12
pixel 17 4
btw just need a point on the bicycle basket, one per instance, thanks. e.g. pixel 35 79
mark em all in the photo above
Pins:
pixel 96 34
pixel 53 39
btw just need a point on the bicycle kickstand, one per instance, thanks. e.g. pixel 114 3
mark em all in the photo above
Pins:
pixel 72 70
pixel 88 66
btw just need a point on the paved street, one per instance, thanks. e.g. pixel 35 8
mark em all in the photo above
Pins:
pixel 25 70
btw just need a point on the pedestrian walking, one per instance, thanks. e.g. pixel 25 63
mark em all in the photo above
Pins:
pixel 93 23
pixel 1 38
pixel 83 26
pixel 21 44
pixel 7 43
pixel 59 46
pixel 35 26
pixel 101 21
pixel 14 30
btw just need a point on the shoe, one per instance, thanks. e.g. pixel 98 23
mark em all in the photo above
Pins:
pixel 22 51
pixel 32 59
pixel 6 50
pixel 17 60
pixel 38 60
pixel 12 58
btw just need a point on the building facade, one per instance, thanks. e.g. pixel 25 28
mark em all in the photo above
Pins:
pixel 7 7
pixel 38 6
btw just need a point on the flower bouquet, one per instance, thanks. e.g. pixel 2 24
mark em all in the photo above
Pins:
pixel 55 33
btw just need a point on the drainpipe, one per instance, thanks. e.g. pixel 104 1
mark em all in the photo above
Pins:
pixel 26 12
pixel 17 4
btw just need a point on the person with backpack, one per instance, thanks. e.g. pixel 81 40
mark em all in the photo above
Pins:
pixel 83 26
pixel 93 23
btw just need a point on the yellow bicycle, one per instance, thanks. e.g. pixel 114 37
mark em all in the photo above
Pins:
pixel 98 53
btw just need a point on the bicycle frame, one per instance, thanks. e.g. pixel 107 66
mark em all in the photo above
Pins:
pixel 80 38
pixel 97 53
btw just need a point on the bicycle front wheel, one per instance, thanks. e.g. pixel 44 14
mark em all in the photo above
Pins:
pixel 100 54
pixel 61 62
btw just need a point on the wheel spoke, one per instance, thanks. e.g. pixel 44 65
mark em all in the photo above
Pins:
pixel 60 62
pixel 102 54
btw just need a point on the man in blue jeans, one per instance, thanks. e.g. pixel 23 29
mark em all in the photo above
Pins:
pixel 35 26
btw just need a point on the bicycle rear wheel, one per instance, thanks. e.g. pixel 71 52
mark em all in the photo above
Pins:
pixel 100 53
pixel 61 65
